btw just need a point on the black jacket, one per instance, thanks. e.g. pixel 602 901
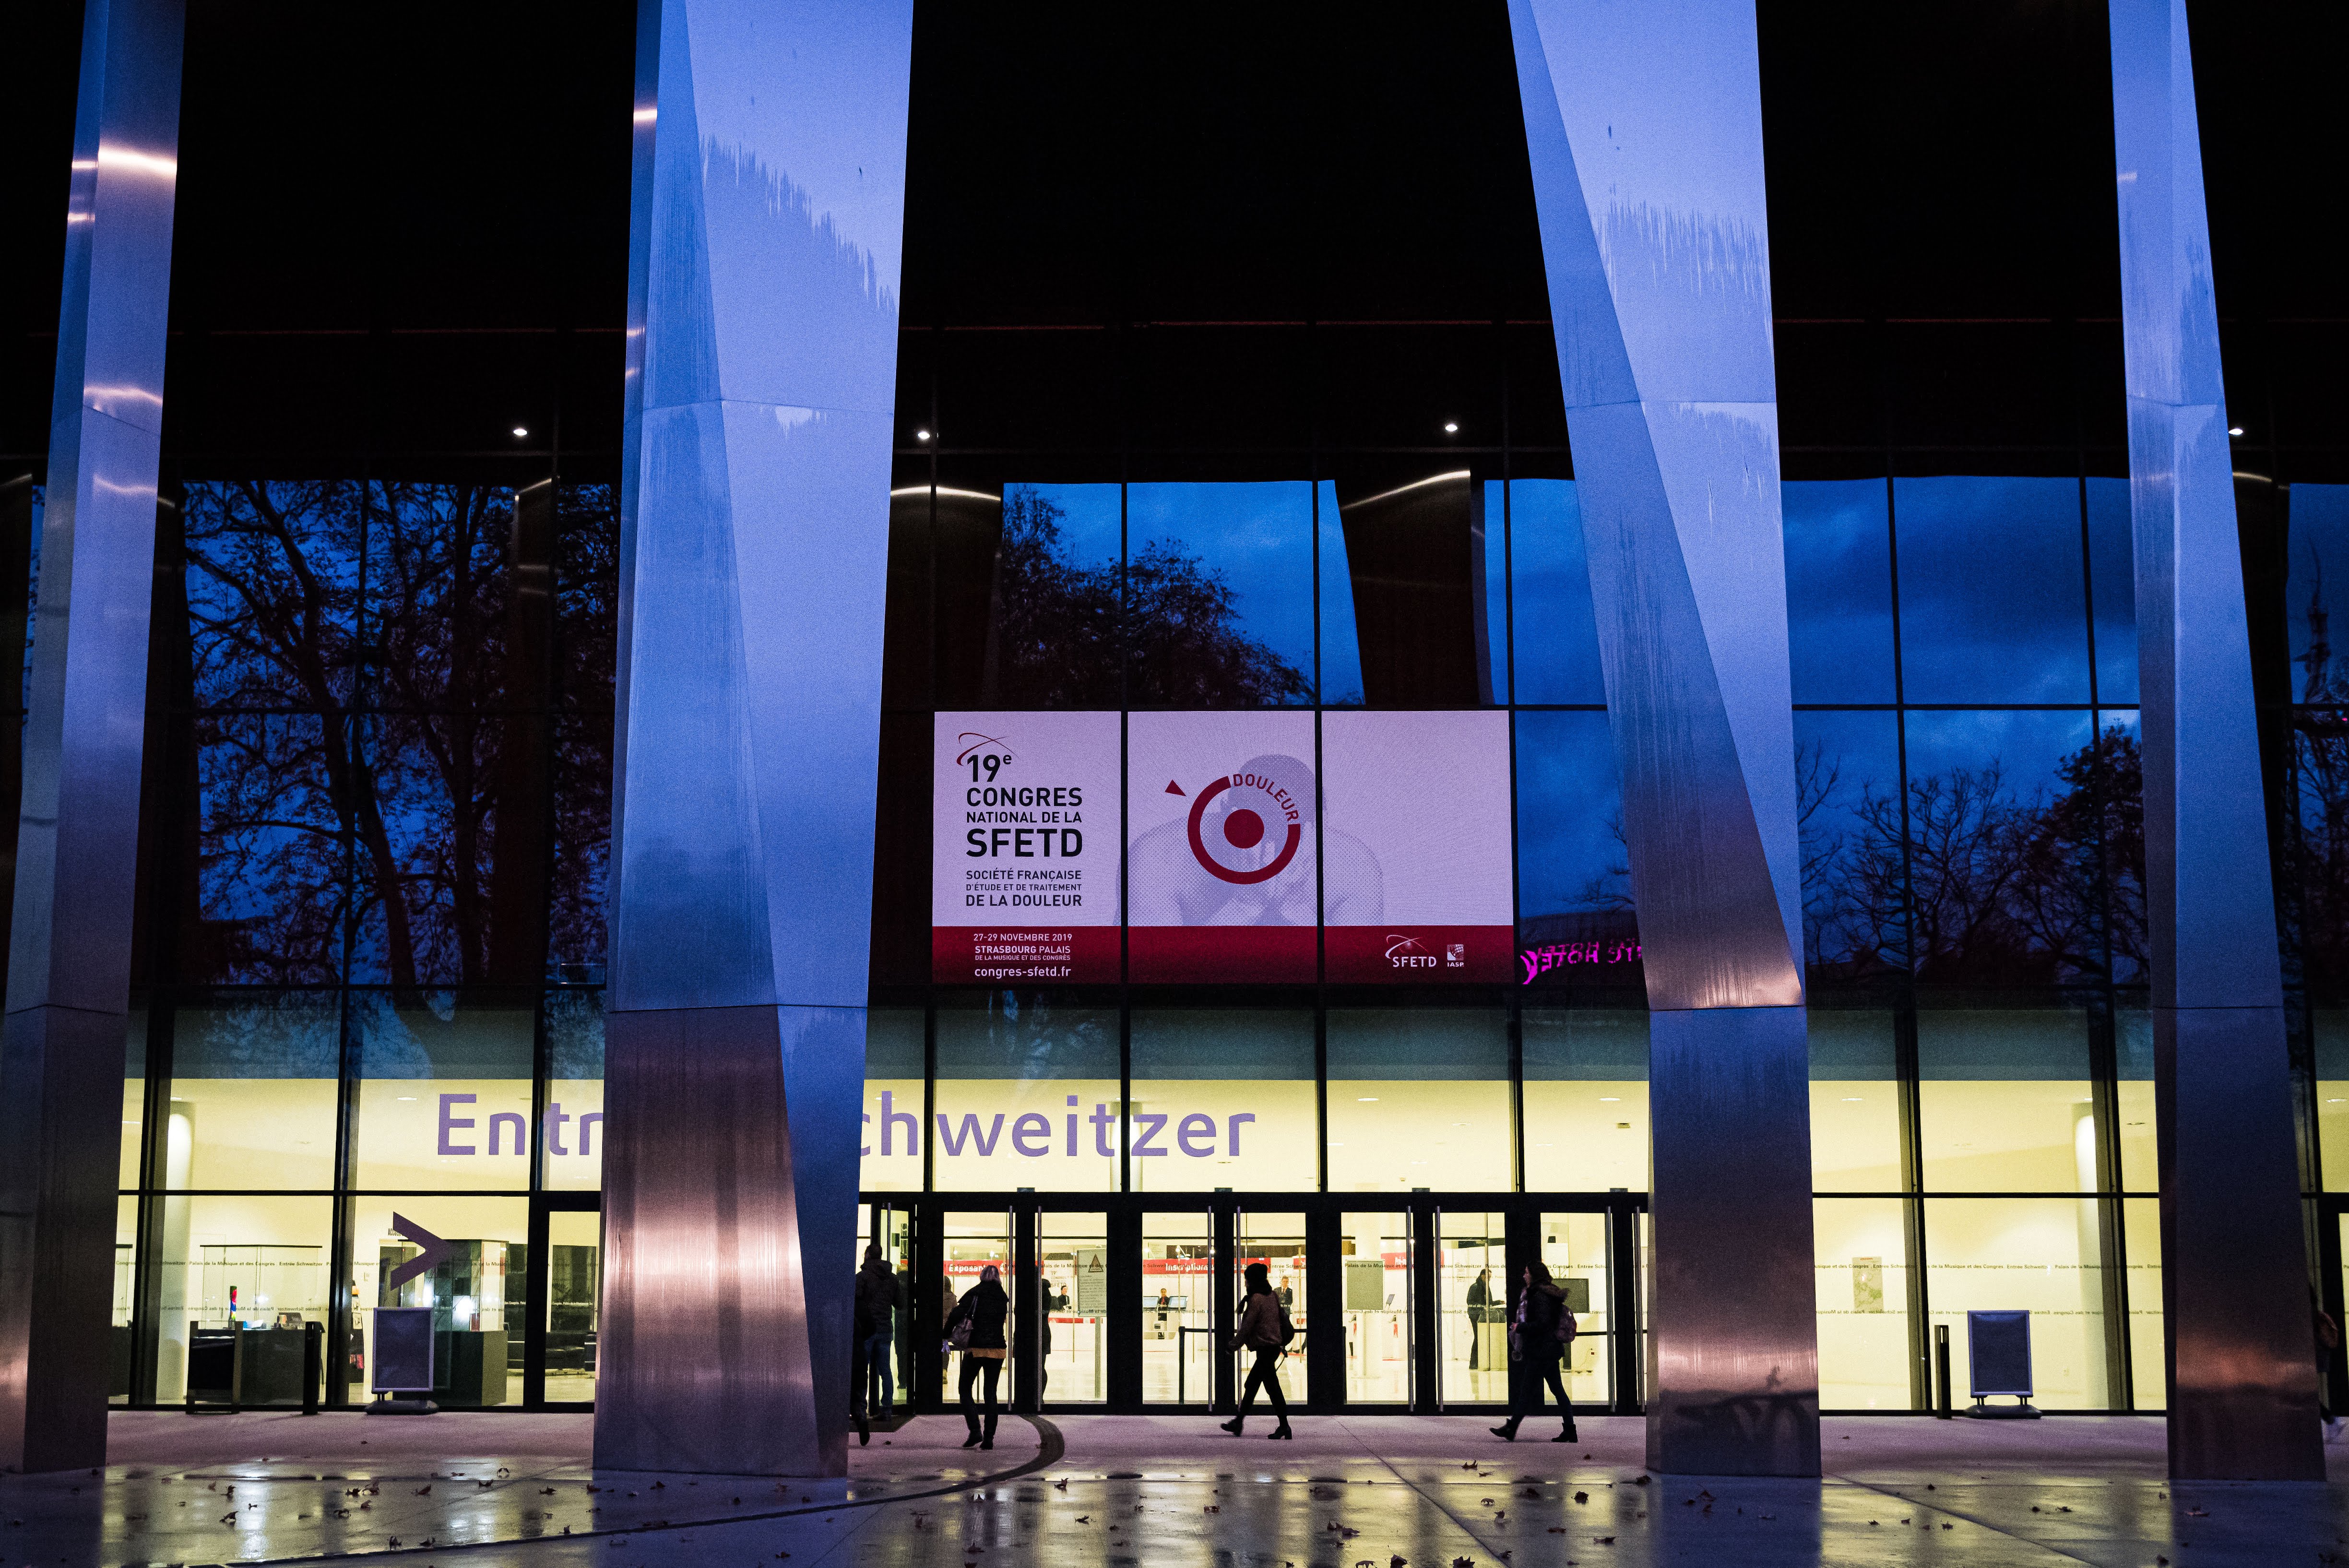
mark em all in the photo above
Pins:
pixel 1539 1337
pixel 876 1299
pixel 987 1308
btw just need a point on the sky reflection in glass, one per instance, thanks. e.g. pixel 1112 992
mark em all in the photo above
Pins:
pixel 1259 536
pixel 1342 647
pixel 2112 583
pixel 1570 854
pixel 2319 576
pixel 1991 602
pixel 1838 590
pixel 1555 630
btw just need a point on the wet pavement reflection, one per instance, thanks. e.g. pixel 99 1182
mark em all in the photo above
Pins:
pixel 1386 1491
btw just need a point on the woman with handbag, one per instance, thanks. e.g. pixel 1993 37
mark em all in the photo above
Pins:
pixel 1539 1332
pixel 1266 1329
pixel 976 1328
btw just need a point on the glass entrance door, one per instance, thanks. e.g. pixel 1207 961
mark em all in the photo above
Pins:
pixel 1178 1326
pixel 1278 1241
pixel 1575 1249
pixel 1472 1303
pixel 1073 1290
pixel 973 1242
pixel 1377 1253
pixel 889 1364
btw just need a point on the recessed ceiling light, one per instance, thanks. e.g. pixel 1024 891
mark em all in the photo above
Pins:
pixel 1368 1099
pixel 921 435
pixel 522 430
pixel 1451 427
pixel 2235 430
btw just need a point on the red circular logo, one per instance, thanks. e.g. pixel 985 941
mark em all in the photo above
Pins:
pixel 1243 829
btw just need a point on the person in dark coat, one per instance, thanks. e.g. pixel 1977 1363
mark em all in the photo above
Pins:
pixel 1480 1312
pixel 1264 1330
pixel 874 1329
pixel 1538 1352
pixel 989 1310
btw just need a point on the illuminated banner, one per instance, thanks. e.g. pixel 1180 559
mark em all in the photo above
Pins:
pixel 1416 883
pixel 1221 846
pixel 1024 844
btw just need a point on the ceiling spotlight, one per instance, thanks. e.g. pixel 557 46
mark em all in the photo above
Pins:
pixel 1451 427
pixel 921 435
pixel 521 431
pixel 2235 430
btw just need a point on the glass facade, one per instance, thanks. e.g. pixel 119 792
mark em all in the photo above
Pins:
pixel 1179 434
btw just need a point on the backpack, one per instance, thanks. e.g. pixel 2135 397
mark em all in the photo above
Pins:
pixel 1566 1327
pixel 1287 1329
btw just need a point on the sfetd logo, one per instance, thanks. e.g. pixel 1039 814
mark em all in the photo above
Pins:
pixel 1030 1135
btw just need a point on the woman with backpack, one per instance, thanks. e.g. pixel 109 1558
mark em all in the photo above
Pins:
pixel 976 1328
pixel 1539 1334
pixel 1265 1329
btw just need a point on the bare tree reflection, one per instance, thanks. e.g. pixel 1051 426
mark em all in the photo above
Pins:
pixel 1995 886
pixel 1053 634
pixel 367 713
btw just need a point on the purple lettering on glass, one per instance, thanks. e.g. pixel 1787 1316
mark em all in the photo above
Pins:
pixel 1193 1128
pixel 891 1116
pixel 520 1129
pixel 586 1135
pixel 1032 1125
pixel 970 1132
pixel 1152 1126
pixel 1558 955
pixel 450 1123
pixel 554 1120
pixel 1236 1121
pixel 1102 1118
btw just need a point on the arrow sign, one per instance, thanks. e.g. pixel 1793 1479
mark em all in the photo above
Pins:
pixel 424 1262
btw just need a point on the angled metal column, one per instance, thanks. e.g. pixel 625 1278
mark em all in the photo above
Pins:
pixel 76 841
pixel 1643 120
pixel 768 210
pixel 2234 1280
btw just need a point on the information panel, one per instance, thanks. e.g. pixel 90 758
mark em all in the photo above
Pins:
pixel 1416 883
pixel 1024 848
pixel 1220 825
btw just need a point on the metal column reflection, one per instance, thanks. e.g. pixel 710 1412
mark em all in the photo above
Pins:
pixel 69 941
pixel 2243 1381
pixel 767 214
pixel 1644 127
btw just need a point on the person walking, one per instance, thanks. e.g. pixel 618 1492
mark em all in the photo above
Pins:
pixel 1539 1334
pixel 1480 1312
pixel 876 1331
pixel 1263 1329
pixel 986 1309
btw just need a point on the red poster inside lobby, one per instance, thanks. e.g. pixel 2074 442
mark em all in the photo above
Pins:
pixel 1024 848
pixel 1416 882
pixel 1219 823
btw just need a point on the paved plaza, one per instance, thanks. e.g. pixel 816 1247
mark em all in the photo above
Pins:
pixel 1387 1491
